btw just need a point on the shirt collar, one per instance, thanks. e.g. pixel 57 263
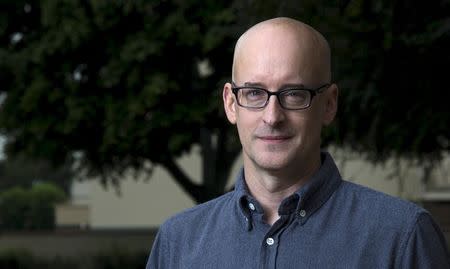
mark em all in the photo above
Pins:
pixel 304 202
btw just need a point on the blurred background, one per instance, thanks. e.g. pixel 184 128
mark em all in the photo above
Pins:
pixel 111 115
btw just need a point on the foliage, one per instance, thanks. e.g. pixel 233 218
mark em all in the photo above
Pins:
pixel 29 208
pixel 110 85
pixel 14 205
pixel 24 172
pixel 43 198
pixel 117 83
pixel 390 67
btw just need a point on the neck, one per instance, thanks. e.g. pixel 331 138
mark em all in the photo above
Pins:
pixel 270 188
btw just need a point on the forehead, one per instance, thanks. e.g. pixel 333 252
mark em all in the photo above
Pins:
pixel 272 57
pixel 278 52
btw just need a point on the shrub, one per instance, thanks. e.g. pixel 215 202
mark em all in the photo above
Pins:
pixel 29 209
pixel 43 198
pixel 14 206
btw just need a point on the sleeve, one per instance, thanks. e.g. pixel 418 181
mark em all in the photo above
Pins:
pixel 159 253
pixel 426 246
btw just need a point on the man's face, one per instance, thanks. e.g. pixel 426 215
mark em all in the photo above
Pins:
pixel 274 138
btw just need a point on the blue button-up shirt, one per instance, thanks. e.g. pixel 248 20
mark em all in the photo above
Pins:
pixel 327 223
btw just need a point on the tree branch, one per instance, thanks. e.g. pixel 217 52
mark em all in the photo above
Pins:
pixel 194 190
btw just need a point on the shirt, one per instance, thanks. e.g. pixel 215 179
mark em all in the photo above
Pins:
pixel 327 223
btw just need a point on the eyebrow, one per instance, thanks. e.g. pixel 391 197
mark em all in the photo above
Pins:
pixel 284 86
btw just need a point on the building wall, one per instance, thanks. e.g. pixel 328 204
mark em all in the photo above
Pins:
pixel 139 202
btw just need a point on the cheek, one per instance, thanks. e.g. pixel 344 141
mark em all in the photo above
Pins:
pixel 308 125
pixel 245 126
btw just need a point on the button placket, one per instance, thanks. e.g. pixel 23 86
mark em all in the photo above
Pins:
pixel 270 251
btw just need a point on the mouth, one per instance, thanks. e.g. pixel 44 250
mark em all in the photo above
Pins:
pixel 274 139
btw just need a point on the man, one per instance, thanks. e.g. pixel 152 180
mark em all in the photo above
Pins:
pixel 290 207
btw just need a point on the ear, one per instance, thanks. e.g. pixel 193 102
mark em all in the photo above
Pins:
pixel 229 103
pixel 331 104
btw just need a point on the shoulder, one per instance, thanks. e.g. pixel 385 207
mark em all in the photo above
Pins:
pixel 399 224
pixel 383 208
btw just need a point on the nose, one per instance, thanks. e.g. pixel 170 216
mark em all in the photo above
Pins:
pixel 273 113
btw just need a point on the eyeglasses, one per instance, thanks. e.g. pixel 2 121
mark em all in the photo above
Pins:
pixel 290 99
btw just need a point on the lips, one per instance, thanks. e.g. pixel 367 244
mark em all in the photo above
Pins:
pixel 274 138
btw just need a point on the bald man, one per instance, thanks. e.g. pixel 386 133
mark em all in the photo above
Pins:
pixel 290 207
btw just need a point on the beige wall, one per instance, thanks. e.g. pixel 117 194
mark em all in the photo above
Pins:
pixel 398 178
pixel 141 203
pixel 71 215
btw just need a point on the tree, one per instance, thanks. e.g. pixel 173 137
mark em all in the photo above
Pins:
pixel 391 66
pixel 111 85
pixel 117 84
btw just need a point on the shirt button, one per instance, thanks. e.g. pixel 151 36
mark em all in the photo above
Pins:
pixel 270 241
pixel 302 213
pixel 251 206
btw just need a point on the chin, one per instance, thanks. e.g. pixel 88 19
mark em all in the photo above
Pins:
pixel 271 164
pixel 270 160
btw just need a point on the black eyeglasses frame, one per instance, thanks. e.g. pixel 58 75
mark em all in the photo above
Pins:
pixel 313 92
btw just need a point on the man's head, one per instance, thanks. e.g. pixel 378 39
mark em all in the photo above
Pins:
pixel 281 54
pixel 308 45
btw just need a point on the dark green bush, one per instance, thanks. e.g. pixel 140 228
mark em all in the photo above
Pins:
pixel 29 209
pixel 43 198
pixel 14 207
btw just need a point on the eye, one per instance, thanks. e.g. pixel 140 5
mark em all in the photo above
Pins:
pixel 252 93
pixel 296 95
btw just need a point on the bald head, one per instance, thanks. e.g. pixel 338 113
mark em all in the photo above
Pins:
pixel 285 41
